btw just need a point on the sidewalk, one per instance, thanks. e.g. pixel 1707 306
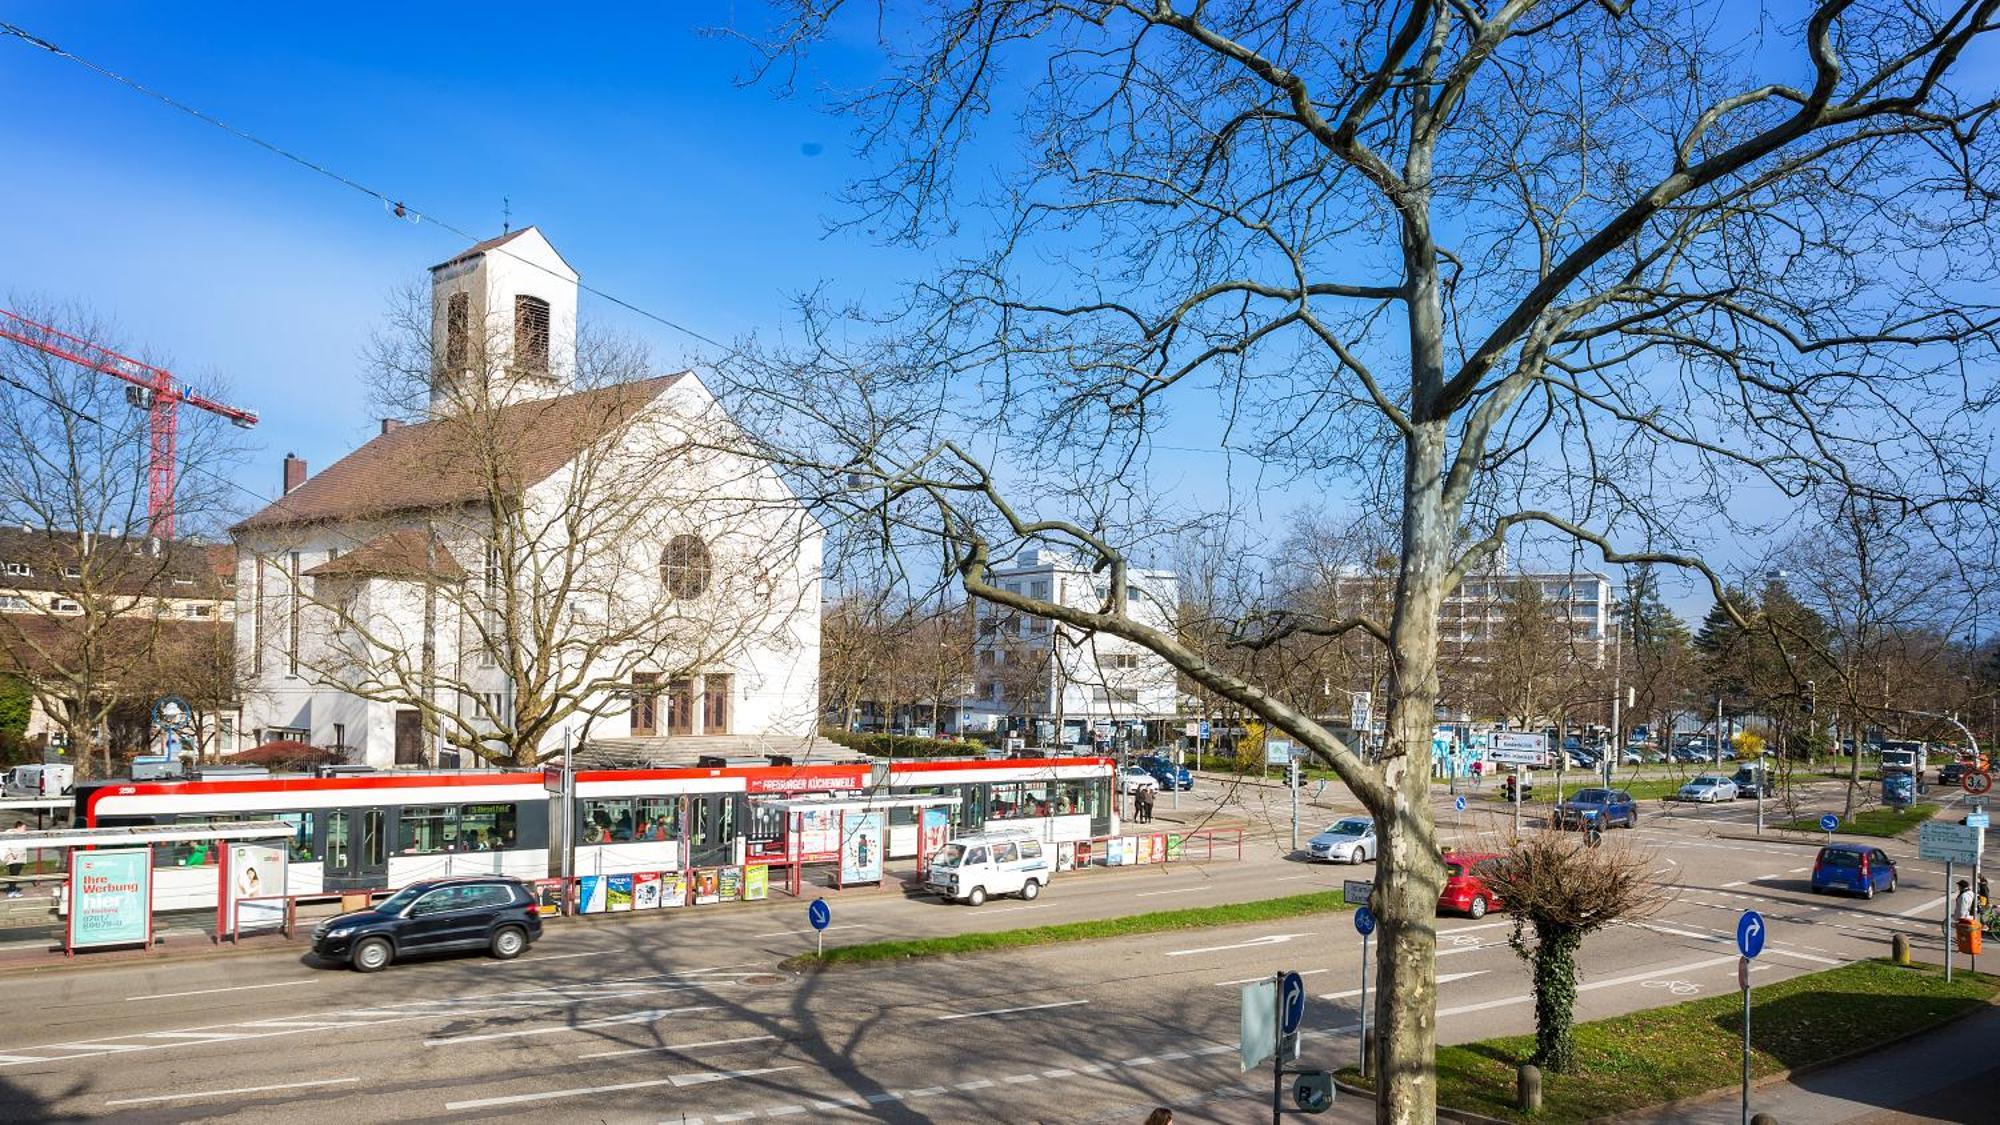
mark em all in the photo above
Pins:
pixel 1948 1074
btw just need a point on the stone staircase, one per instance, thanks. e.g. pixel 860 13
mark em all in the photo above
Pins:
pixel 686 749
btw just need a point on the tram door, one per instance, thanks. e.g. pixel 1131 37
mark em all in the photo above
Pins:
pixel 357 850
pixel 713 823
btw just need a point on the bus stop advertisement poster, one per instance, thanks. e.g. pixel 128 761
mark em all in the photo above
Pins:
pixel 861 850
pixel 111 898
pixel 253 885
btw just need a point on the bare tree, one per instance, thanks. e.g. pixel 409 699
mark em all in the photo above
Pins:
pixel 90 590
pixel 1578 269
pixel 1564 890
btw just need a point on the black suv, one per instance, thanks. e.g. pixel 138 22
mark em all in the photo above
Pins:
pixel 490 912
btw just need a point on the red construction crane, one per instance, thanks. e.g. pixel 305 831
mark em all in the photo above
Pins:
pixel 150 389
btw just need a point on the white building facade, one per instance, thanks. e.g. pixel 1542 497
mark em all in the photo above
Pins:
pixel 608 547
pixel 1066 683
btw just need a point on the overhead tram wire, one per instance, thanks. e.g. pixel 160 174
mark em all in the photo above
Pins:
pixel 395 207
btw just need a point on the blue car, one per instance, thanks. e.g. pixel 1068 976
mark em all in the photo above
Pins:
pixel 1167 774
pixel 1854 868
pixel 1604 808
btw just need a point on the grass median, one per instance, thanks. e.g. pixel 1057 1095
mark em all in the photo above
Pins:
pixel 1192 918
pixel 1880 821
pixel 1634 1061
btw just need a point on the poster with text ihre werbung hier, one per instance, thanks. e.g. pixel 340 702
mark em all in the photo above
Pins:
pixel 111 897
pixel 861 850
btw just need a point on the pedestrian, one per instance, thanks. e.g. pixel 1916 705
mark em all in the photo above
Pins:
pixel 15 857
pixel 1962 903
pixel 1478 772
pixel 1146 805
pixel 1160 1116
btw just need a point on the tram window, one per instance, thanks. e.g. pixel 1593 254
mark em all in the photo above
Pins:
pixel 726 821
pixel 301 842
pixel 1004 803
pixel 373 839
pixel 336 839
pixel 486 828
pixel 426 830
pixel 1035 798
pixel 658 818
pixel 972 809
pixel 192 853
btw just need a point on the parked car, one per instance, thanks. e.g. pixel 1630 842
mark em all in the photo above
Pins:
pixel 1633 756
pixel 1605 807
pixel 970 869
pixel 1855 868
pixel 1350 840
pixel 1131 779
pixel 1582 759
pixel 496 913
pixel 1464 891
pixel 1167 774
pixel 1708 788
pixel 1749 779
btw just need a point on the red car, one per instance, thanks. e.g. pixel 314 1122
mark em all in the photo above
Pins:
pixel 1464 891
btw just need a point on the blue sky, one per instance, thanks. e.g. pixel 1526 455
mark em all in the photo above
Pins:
pixel 659 177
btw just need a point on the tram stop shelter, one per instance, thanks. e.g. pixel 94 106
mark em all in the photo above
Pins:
pixel 107 898
pixel 853 832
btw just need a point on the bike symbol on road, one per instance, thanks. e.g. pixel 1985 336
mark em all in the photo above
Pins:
pixel 1677 987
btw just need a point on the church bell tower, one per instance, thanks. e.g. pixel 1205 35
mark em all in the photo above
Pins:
pixel 503 324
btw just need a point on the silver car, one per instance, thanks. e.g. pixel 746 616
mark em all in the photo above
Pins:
pixel 1351 840
pixel 1708 788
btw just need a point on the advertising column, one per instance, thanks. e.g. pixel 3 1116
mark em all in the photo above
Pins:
pixel 861 850
pixel 111 898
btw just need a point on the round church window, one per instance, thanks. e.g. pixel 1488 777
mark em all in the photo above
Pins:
pixel 686 566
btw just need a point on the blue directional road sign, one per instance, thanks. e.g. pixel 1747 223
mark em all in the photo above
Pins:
pixel 1828 822
pixel 1750 934
pixel 1459 804
pixel 819 914
pixel 1364 921
pixel 1291 1003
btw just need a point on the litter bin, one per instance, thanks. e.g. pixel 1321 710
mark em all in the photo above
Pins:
pixel 1968 937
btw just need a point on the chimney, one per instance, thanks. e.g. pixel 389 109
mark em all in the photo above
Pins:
pixel 295 473
pixel 391 424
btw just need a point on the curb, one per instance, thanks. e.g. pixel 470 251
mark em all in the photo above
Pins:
pixel 1444 1112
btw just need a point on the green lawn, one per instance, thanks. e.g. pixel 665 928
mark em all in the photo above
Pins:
pixel 1880 820
pixel 1230 914
pixel 1639 1060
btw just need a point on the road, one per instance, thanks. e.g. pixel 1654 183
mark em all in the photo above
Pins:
pixel 685 1017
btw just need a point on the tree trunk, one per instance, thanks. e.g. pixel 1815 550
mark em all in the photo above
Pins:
pixel 1555 999
pixel 1408 882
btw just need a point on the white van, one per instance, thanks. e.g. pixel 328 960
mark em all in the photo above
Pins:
pixel 971 869
pixel 55 780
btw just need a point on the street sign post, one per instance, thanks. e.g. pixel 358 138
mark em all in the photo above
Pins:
pixel 1364 924
pixel 1950 843
pixel 1458 821
pixel 820 915
pixel 1749 942
pixel 1355 892
pixel 1258 1037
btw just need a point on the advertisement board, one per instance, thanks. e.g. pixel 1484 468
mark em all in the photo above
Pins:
pixel 673 889
pixel 618 893
pixel 646 891
pixel 253 872
pixel 590 894
pixel 111 898
pixel 861 853
pixel 729 884
pixel 935 830
pixel 707 886
pixel 548 896
pixel 819 835
pixel 756 883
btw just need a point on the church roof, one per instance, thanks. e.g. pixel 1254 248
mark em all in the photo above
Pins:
pixel 409 553
pixel 478 248
pixel 424 466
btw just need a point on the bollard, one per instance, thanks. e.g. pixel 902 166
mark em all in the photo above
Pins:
pixel 1528 1089
pixel 1899 950
pixel 1763 1119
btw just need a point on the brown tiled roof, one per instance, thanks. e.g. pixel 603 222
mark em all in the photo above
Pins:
pixel 409 553
pixel 177 568
pixel 479 248
pixel 420 467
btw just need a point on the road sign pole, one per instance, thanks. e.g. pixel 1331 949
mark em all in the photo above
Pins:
pixel 1746 1040
pixel 1294 775
pixel 1278 1052
pixel 1950 938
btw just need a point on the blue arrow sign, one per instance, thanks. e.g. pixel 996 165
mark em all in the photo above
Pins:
pixel 1291 1003
pixel 1364 921
pixel 819 914
pixel 1750 934
pixel 1828 822
pixel 1459 804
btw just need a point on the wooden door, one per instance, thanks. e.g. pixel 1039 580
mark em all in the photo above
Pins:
pixel 645 704
pixel 409 738
pixel 715 704
pixel 680 707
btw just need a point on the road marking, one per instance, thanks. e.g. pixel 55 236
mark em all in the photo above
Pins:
pixel 232 988
pixel 1011 909
pixel 977 1084
pixel 1266 976
pixel 1181 891
pixel 227 1093
pixel 1470 948
pixel 1480 926
pixel 1593 985
pixel 1737 883
pixel 1270 939
pixel 1445 979
pixel 653 1016
pixel 1926 907
pixel 798 933
pixel 677 1047
pixel 1006 1011
pixel 612 1088
pixel 541 957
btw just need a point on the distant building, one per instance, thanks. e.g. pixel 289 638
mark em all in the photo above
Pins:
pixel 1032 669
pixel 150 612
pixel 1586 601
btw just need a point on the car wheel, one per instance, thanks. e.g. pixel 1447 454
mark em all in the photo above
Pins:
pixel 1868 891
pixel 1632 819
pixel 1030 889
pixel 372 955
pixel 976 897
pixel 509 942
pixel 1892 882
pixel 1478 906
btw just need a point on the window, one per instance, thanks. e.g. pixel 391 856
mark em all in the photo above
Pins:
pixel 531 333
pixel 486 828
pixel 686 567
pixel 14 601
pixel 427 831
pixel 340 736
pixel 201 610
pixel 72 572
pixel 19 570
pixel 65 605
pixel 301 843
pixel 179 580
pixel 457 327
pixel 621 820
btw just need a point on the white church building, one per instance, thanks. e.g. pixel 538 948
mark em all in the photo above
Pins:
pixel 553 552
